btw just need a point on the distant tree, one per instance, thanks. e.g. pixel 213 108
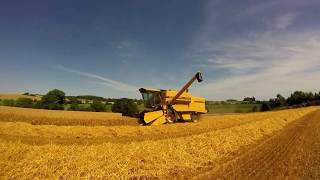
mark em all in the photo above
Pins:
pixel 265 106
pixel 317 96
pixel 249 99
pixel 24 102
pixel 74 107
pixel 54 99
pixel 272 103
pixel 309 96
pixel 299 97
pixel 73 100
pixel 125 106
pixel 98 106
pixel 279 101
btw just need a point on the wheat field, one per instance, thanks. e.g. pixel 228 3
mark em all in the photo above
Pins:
pixel 61 117
pixel 107 151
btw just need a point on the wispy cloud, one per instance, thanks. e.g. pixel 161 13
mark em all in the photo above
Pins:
pixel 268 59
pixel 130 50
pixel 102 80
pixel 270 6
pixel 283 21
pixel 278 64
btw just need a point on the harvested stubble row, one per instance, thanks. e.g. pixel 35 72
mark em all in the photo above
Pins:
pixel 177 156
pixel 66 118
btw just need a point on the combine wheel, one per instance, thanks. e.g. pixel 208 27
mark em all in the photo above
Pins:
pixel 172 116
pixel 195 117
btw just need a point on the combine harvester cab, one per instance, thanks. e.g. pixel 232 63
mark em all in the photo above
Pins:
pixel 170 106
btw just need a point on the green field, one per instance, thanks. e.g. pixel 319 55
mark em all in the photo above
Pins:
pixel 233 108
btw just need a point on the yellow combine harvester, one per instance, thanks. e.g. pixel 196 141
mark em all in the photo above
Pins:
pixel 169 106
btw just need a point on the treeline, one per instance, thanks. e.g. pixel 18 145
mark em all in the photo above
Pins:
pixel 91 98
pixel 296 99
pixel 96 98
pixel 56 100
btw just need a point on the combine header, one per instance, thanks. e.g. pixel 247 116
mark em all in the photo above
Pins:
pixel 169 106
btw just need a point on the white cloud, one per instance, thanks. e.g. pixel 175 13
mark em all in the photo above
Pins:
pixel 102 80
pixel 275 56
pixel 233 65
pixel 283 62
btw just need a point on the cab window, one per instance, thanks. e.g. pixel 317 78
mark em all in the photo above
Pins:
pixel 151 99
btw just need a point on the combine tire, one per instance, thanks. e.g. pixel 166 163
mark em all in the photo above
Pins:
pixel 195 117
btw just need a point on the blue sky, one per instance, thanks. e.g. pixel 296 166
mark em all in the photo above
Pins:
pixel 111 48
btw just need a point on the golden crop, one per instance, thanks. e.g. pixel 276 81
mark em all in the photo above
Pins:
pixel 114 152
pixel 60 117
